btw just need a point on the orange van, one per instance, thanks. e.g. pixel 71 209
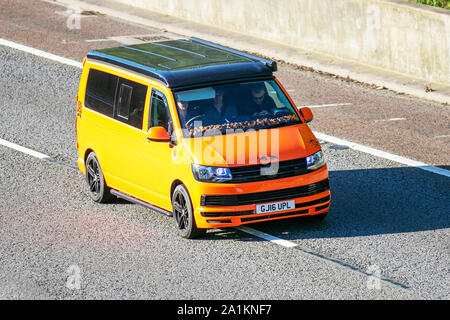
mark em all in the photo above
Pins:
pixel 197 131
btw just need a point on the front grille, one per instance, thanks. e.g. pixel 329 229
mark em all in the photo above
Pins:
pixel 219 221
pixel 252 173
pixel 312 203
pixel 265 196
pixel 226 214
pixel 322 207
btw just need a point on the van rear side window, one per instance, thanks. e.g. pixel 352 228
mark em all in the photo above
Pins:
pixel 131 102
pixel 100 92
pixel 124 101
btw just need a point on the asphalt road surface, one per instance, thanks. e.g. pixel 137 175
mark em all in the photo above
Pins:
pixel 386 236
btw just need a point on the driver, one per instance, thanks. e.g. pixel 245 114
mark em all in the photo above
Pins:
pixel 261 103
pixel 185 110
pixel 221 110
pixel 183 107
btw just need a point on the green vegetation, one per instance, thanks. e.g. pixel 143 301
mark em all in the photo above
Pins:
pixel 436 3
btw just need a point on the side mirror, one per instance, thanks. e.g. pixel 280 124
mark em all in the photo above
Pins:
pixel 158 134
pixel 307 114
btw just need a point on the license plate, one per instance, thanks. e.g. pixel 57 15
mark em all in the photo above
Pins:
pixel 275 206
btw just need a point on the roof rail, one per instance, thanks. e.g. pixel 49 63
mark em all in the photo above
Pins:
pixel 272 65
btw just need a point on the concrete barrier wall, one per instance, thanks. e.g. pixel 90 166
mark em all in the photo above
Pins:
pixel 392 35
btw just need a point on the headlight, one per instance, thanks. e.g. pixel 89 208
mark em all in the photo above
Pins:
pixel 315 161
pixel 210 174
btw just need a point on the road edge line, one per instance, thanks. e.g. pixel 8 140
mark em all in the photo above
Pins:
pixel 34 153
pixel 40 53
pixel 25 150
pixel 382 154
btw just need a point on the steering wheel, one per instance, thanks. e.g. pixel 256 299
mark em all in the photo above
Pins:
pixel 280 113
pixel 188 123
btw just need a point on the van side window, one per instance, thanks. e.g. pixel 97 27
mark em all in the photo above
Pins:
pixel 100 92
pixel 131 102
pixel 159 115
pixel 123 105
pixel 159 112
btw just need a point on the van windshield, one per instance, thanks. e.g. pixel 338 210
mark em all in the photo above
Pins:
pixel 225 108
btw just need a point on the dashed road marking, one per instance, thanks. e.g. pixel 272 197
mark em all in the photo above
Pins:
pixel 134 39
pixel 391 119
pixel 34 153
pixel 40 53
pixel 17 147
pixel 125 40
pixel 442 136
pixel 328 105
pixel 317 255
pixel 266 236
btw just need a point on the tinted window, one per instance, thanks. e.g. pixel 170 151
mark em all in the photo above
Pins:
pixel 160 114
pixel 100 92
pixel 222 109
pixel 131 102
pixel 123 105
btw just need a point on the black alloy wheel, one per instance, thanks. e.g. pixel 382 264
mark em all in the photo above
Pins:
pixel 98 189
pixel 183 214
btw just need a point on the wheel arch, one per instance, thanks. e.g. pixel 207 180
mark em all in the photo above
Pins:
pixel 86 154
pixel 175 184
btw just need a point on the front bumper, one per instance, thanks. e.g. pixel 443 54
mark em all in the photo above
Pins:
pixel 226 206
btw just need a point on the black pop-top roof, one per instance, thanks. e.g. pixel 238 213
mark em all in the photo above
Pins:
pixel 187 63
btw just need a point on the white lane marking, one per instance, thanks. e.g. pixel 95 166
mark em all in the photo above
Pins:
pixel 328 105
pixel 382 154
pixel 319 135
pixel 34 153
pixel 391 119
pixel 99 40
pixel 40 53
pixel 134 39
pixel 126 40
pixel 30 152
pixel 266 236
pixel 322 257
pixel 443 136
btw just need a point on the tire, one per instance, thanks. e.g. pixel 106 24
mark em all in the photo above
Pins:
pixel 98 190
pixel 184 215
